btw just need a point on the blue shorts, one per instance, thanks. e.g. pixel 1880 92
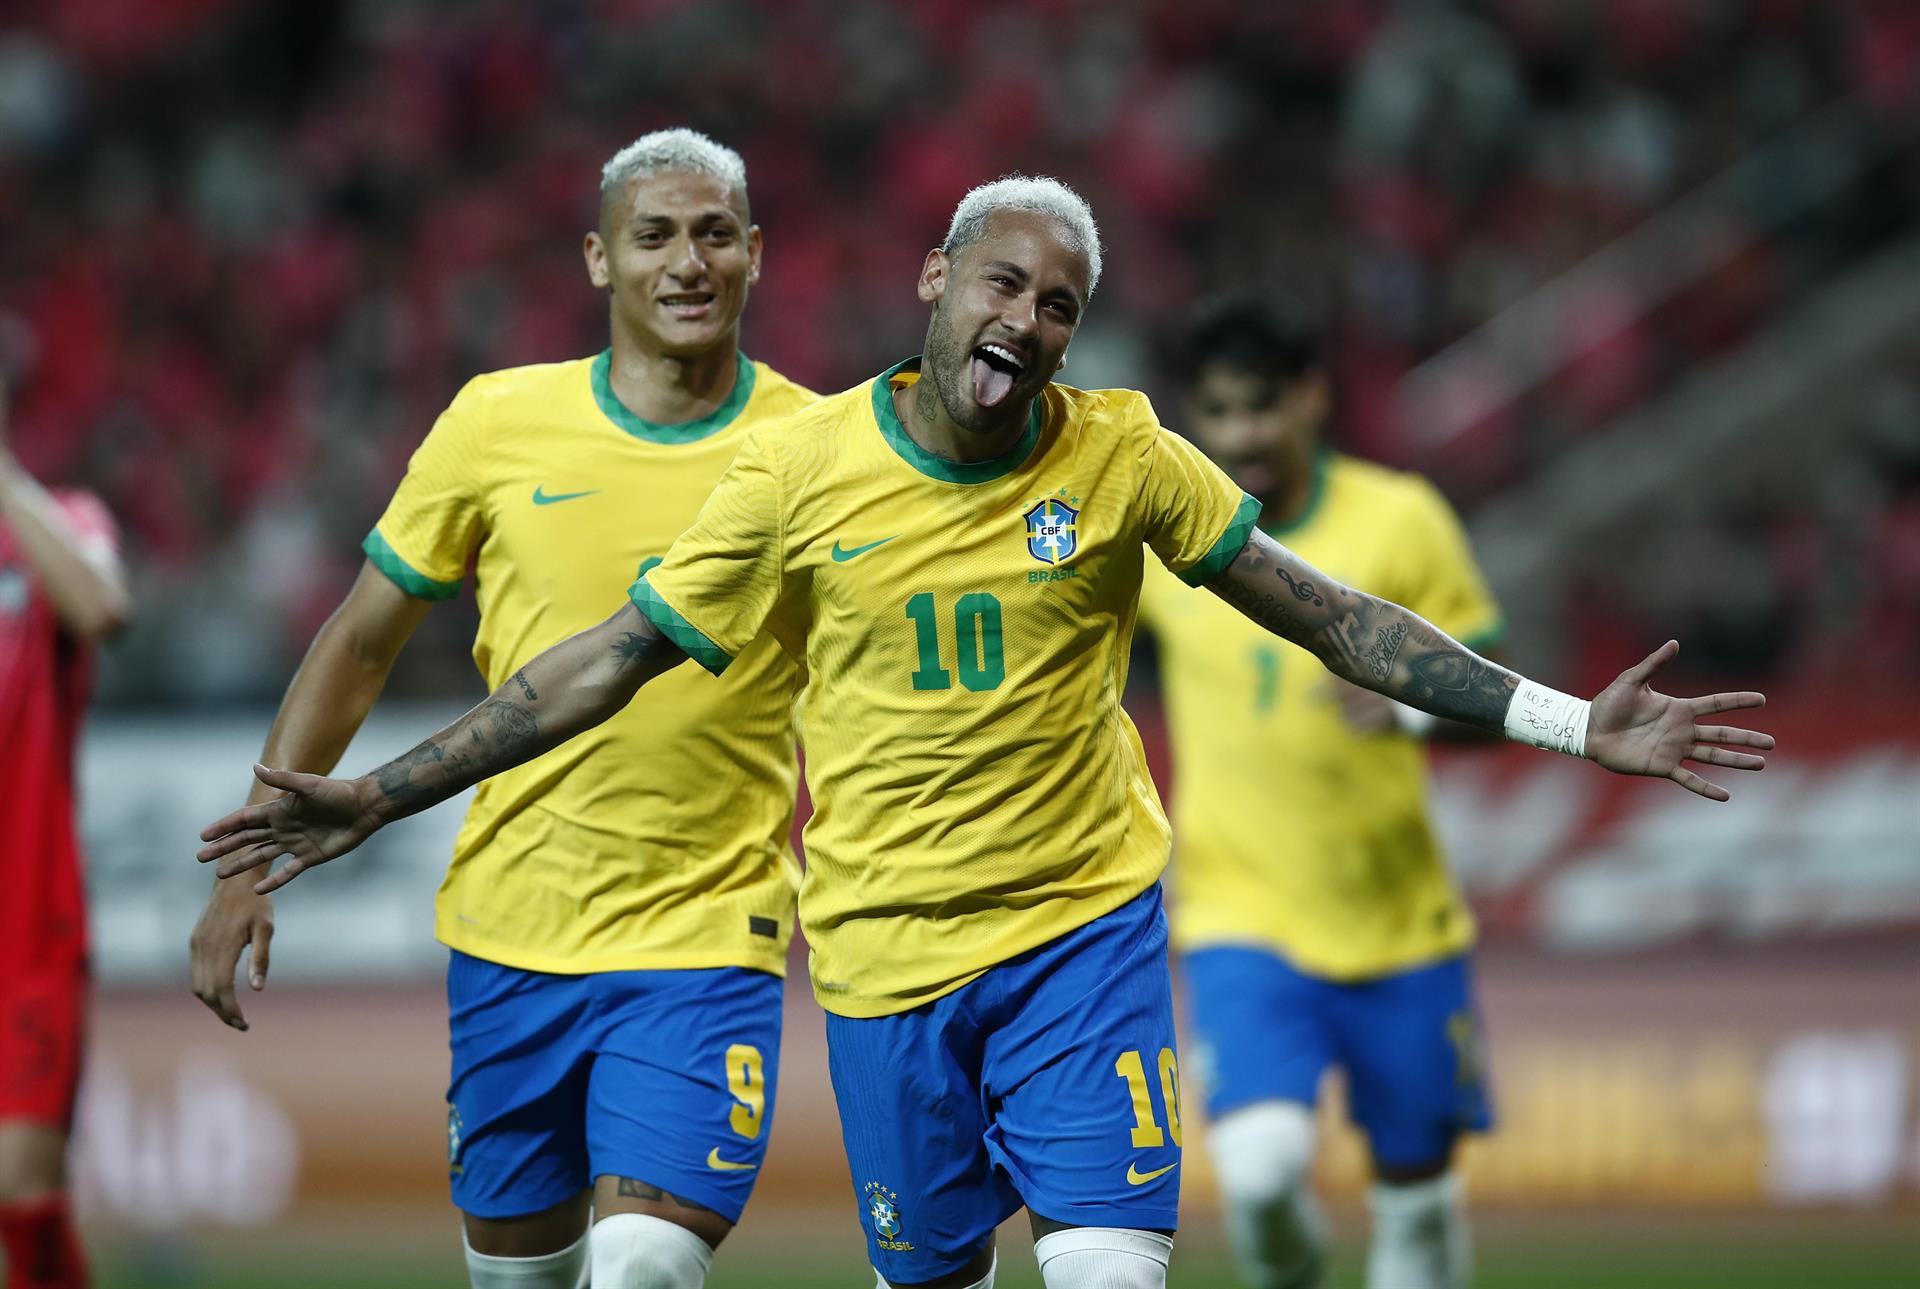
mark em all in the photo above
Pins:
pixel 667 1077
pixel 1410 1045
pixel 1049 1082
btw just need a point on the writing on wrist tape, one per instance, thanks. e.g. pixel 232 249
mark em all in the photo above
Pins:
pixel 1546 718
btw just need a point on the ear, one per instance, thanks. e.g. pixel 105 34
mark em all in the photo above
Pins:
pixel 933 276
pixel 755 247
pixel 595 251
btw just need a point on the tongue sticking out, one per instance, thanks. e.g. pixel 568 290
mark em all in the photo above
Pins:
pixel 991 384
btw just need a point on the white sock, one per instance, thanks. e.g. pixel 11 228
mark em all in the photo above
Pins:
pixel 1103 1257
pixel 984 1282
pixel 1420 1236
pixel 639 1251
pixel 1262 1155
pixel 566 1269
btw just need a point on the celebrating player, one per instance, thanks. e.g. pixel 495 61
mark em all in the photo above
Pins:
pixel 955 548
pixel 61 590
pixel 1314 912
pixel 618 910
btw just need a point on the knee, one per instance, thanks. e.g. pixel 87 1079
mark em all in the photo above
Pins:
pixel 1086 1257
pixel 640 1251
pixel 1263 1152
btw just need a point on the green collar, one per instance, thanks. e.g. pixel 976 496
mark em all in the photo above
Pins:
pixel 927 463
pixel 685 432
pixel 1322 464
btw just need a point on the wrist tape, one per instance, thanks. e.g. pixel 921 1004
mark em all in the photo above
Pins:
pixel 1546 718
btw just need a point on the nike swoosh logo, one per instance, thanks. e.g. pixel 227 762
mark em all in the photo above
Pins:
pixel 842 556
pixel 543 498
pixel 726 1165
pixel 1137 1178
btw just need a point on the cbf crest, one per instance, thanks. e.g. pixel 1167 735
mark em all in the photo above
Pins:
pixel 1053 528
pixel 883 1213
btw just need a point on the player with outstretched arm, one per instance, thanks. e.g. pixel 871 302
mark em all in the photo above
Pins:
pixel 955 548
pixel 618 910
pixel 62 590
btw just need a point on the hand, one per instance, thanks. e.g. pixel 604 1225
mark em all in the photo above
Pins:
pixel 1634 730
pixel 1364 711
pixel 317 819
pixel 235 917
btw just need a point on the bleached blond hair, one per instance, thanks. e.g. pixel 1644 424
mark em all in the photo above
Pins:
pixel 1027 192
pixel 676 149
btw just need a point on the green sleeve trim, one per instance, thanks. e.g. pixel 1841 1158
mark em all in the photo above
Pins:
pixel 691 640
pixel 1210 565
pixel 1487 637
pixel 404 575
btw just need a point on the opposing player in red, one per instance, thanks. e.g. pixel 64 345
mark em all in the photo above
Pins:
pixel 61 590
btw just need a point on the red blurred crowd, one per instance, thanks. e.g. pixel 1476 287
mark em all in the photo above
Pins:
pixel 252 249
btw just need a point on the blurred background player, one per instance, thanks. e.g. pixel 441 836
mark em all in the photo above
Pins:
pixel 61 590
pixel 618 911
pixel 956 548
pixel 1317 921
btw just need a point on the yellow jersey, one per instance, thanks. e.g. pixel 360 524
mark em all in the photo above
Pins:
pixel 659 839
pixel 1292 831
pixel 978 790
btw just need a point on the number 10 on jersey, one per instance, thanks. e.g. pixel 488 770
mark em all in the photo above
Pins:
pixel 976 629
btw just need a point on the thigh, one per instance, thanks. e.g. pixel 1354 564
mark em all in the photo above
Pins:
pixel 682 1094
pixel 1259 1031
pixel 43 1021
pixel 522 1047
pixel 1083 1075
pixel 912 1117
pixel 1415 1060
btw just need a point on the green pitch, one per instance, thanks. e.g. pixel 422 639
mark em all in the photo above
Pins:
pixel 1783 1251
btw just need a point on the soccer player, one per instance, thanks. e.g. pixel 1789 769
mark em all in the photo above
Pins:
pixel 61 590
pixel 1311 903
pixel 955 549
pixel 618 911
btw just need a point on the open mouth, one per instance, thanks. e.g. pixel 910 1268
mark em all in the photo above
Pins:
pixel 687 304
pixel 995 369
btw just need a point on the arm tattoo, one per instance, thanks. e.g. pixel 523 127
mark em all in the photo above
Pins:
pixel 526 686
pixel 1386 647
pixel 631 1188
pixel 500 733
pixel 634 647
pixel 1369 641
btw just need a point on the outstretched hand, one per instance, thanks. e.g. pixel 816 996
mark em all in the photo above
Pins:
pixel 317 819
pixel 1634 729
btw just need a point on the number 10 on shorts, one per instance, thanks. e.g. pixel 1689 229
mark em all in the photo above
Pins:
pixel 1146 1129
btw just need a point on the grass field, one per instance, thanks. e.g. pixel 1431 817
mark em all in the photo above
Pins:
pixel 1633 1251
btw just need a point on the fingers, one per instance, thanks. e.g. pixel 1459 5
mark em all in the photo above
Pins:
pixel 1694 783
pixel 1733 736
pixel 262 938
pixel 250 858
pixel 1708 704
pixel 1645 670
pixel 1720 756
pixel 213 982
pixel 280 877
pixel 239 821
pixel 285 780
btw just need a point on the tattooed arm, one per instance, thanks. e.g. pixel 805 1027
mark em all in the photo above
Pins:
pixel 570 688
pixel 1372 642
pixel 1381 646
